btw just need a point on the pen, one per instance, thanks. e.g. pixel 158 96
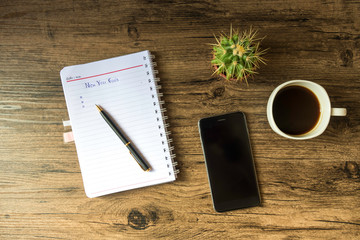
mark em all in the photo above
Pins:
pixel 127 143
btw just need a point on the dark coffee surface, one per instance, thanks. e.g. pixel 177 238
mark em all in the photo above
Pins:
pixel 296 110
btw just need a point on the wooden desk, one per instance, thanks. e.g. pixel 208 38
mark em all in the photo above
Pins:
pixel 310 189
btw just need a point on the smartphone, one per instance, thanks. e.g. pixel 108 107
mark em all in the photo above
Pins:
pixel 229 162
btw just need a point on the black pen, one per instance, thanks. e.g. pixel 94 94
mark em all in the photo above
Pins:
pixel 127 143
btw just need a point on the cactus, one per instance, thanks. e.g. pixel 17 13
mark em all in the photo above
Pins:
pixel 237 56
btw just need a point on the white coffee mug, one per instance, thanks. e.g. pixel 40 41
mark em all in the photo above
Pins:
pixel 325 109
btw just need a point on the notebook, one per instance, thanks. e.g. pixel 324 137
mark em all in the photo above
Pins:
pixel 127 88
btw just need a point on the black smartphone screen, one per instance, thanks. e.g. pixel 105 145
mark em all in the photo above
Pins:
pixel 229 161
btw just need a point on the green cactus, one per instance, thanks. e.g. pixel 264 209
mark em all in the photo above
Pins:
pixel 237 56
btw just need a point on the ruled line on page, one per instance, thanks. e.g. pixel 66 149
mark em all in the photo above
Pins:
pixel 131 78
pixel 102 74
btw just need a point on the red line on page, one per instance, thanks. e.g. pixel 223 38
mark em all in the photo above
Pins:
pixel 129 185
pixel 105 73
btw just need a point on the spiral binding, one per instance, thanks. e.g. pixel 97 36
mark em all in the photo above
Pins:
pixel 164 117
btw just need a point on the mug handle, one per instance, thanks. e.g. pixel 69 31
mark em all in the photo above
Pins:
pixel 338 112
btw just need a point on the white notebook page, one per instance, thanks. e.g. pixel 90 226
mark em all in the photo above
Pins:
pixel 124 87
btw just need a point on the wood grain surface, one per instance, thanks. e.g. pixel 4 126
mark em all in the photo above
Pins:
pixel 310 189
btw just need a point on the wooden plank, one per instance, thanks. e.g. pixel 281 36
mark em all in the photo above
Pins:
pixel 310 189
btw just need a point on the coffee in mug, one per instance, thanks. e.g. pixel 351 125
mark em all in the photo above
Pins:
pixel 300 109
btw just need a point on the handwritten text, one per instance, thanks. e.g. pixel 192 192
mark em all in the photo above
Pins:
pixel 98 83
